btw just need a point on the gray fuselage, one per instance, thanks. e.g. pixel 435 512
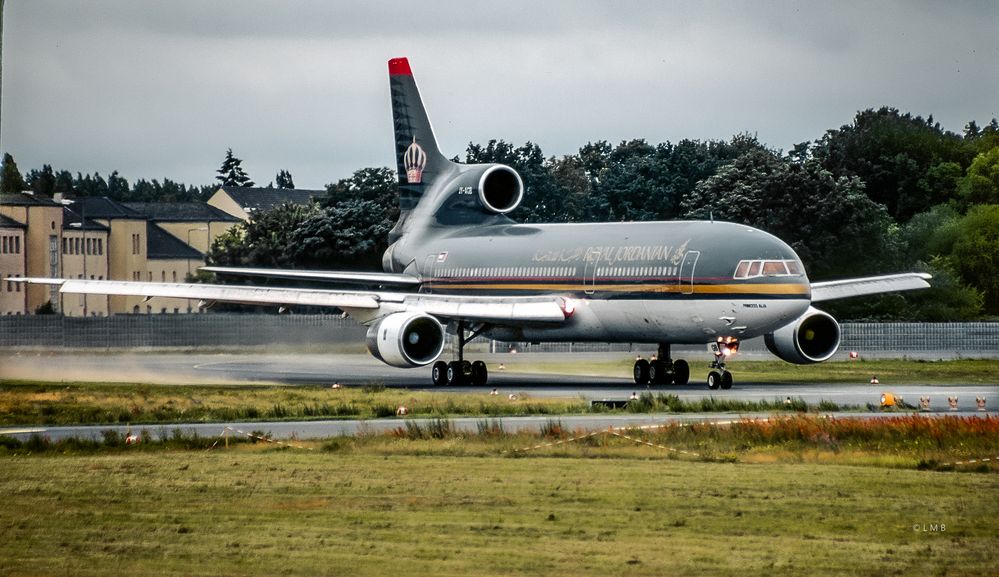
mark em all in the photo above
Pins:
pixel 677 282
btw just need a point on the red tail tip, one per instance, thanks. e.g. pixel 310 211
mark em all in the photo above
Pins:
pixel 399 66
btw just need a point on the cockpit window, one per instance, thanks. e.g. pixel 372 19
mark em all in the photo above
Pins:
pixel 756 268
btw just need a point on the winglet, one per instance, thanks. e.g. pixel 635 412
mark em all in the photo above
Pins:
pixel 399 67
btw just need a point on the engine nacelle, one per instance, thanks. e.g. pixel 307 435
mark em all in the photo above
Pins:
pixel 812 338
pixel 405 340
pixel 500 189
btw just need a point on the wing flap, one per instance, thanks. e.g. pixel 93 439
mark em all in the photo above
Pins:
pixel 499 309
pixel 223 293
pixel 841 289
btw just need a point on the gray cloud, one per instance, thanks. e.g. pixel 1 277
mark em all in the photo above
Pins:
pixel 160 89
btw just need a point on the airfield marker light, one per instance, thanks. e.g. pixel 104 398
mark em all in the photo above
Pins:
pixel 854 355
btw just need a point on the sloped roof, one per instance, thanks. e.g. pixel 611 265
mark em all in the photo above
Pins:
pixel 70 218
pixel 161 245
pixel 7 222
pixel 104 207
pixel 266 199
pixel 21 199
pixel 181 212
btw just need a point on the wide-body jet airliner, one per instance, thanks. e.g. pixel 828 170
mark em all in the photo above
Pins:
pixel 457 263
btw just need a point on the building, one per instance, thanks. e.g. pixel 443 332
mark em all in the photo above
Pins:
pixel 13 264
pixel 85 246
pixel 243 202
pixel 195 223
pixel 102 239
pixel 42 220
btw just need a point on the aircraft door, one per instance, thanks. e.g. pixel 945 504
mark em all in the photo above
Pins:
pixel 428 274
pixel 589 277
pixel 686 277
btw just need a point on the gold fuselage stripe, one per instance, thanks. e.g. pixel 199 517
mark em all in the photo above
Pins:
pixel 714 289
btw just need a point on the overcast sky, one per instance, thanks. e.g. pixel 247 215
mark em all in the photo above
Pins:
pixel 161 89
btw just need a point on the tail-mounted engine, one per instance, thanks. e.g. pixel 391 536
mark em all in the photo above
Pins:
pixel 406 340
pixel 500 189
pixel 812 338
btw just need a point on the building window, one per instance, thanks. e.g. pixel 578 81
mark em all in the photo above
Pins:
pixel 4 249
pixel 163 279
pixel 174 276
pixel 100 246
pixel 17 245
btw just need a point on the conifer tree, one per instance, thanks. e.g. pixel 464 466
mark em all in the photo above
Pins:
pixel 232 173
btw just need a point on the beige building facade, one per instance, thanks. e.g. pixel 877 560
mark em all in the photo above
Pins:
pixel 13 264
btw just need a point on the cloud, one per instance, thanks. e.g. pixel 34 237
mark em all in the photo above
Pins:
pixel 162 89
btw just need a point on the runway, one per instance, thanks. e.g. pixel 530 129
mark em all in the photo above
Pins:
pixel 358 370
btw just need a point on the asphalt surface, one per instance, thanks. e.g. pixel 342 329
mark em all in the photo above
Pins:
pixel 359 370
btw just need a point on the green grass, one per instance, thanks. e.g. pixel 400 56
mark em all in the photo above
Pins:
pixel 25 403
pixel 380 509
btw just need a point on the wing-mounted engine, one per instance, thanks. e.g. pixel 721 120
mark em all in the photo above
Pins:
pixel 812 338
pixel 406 340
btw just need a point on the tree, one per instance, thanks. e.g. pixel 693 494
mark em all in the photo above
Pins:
pixel 10 177
pixel 981 183
pixel 828 221
pixel 42 182
pixel 893 154
pixel 284 180
pixel 975 255
pixel 231 173
pixel 264 241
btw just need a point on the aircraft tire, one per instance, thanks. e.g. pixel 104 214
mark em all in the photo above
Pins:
pixel 480 374
pixel 726 380
pixel 641 372
pixel 438 374
pixel 714 380
pixel 681 372
pixel 658 373
pixel 455 376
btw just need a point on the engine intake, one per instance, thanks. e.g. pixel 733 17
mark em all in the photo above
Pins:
pixel 500 189
pixel 812 338
pixel 405 340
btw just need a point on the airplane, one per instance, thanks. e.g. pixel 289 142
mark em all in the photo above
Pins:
pixel 458 264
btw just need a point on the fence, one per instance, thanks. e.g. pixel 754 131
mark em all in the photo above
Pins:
pixel 201 330
pixel 196 330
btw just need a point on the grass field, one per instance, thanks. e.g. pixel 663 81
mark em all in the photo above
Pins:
pixel 380 509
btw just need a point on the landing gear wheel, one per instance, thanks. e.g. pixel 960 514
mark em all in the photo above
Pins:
pixel 641 372
pixel 455 376
pixel 658 373
pixel 714 380
pixel 480 374
pixel 726 380
pixel 681 372
pixel 439 374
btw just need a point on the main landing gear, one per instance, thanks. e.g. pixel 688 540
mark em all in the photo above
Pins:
pixel 461 372
pixel 663 370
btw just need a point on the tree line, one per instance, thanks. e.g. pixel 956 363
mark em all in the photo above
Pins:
pixel 888 192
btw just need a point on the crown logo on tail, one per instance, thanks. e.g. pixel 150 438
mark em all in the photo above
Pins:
pixel 415 160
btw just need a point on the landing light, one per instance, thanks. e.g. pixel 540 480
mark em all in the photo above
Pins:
pixel 568 307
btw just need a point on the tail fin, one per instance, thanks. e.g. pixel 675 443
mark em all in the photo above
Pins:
pixel 418 158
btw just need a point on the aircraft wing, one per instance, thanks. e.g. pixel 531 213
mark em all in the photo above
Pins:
pixel 319 275
pixel 512 309
pixel 841 289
